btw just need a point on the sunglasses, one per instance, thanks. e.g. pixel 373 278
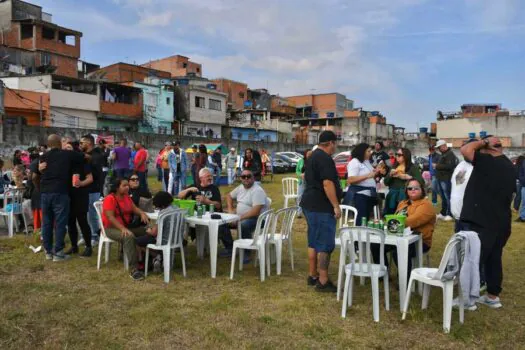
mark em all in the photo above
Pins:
pixel 134 179
pixel 413 188
pixel 244 177
pixel 399 155
pixel 498 145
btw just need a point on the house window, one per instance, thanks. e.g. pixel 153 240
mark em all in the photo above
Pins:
pixel 215 104
pixel 27 31
pixel 184 65
pixel 48 33
pixel 45 59
pixel 168 101
pixel 198 70
pixel 200 102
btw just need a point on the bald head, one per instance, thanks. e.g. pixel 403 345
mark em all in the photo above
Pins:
pixel 54 141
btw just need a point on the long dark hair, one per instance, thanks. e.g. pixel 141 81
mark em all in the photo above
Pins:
pixel 423 192
pixel 116 184
pixel 246 150
pixel 407 155
pixel 256 157
pixel 203 149
pixel 359 151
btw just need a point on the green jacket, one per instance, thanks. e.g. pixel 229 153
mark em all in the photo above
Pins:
pixel 394 182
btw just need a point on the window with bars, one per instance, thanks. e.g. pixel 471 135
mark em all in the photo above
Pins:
pixel 200 102
pixel 215 104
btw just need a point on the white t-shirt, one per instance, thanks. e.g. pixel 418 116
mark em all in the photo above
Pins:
pixel 356 168
pixel 459 181
pixel 248 198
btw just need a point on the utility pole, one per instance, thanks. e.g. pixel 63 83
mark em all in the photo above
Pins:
pixel 41 130
pixel 2 111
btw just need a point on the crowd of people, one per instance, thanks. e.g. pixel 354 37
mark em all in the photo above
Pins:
pixel 476 193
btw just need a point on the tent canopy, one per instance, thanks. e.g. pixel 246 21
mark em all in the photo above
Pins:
pixel 211 147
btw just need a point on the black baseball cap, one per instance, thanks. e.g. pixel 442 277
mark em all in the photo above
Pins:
pixel 327 136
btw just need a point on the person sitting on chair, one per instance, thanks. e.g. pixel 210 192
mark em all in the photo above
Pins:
pixel 117 215
pixel 161 201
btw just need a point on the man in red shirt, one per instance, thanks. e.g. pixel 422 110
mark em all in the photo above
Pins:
pixel 139 164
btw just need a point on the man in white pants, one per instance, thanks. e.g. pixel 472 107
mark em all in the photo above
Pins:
pixel 231 159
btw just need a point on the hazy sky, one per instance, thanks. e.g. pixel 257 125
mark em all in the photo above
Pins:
pixel 406 58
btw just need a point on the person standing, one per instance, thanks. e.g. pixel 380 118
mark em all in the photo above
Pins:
pixel 105 151
pixel 139 164
pixel 217 160
pixel 201 161
pixel 55 170
pixel 299 172
pixel 486 209
pixel 444 169
pixel 87 145
pixel 433 158
pixel 379 155
pixel 194 159
pixel 520 164
pixel 231 160
pixel 121 157
pixel 320 204
pixel 165 165
pixel 402 170
pixel 17 158
pixel 78 209
pixel 178 162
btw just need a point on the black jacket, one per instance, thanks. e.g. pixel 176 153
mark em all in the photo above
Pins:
pixel 446 165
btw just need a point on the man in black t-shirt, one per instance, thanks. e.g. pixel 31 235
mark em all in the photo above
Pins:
pixel 87 145
pixel 320 203
pixel 379 155
pixel 55 171
pixel 486 208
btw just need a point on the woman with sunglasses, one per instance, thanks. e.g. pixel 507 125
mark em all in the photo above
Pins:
pixel 402 171
pixel 136 191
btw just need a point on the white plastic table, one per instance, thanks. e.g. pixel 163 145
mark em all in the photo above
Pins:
pixel 213 230
pixel 402 243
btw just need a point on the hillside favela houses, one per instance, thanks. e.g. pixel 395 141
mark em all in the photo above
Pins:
pixel 476 119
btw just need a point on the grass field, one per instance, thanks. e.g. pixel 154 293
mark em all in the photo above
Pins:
pixel 72 305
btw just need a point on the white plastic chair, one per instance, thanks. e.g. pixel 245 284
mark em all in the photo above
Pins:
pixel 290 189
pixel 433 277
pixel 175 220
pixel 104 240
pixel 281 231
pixel 257 243
pixel 348 219
pixel 13 199
pixel 361 235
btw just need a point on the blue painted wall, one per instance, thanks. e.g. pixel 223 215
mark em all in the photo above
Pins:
pixel 249 134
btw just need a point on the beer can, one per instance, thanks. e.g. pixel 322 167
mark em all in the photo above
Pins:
pixel 364 222
pixel 212 208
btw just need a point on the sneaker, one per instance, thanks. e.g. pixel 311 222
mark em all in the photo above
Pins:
pixel 312 281
pixel 60 256
pixel 94 243
pixel 448 218
pixel 328 287
pixel 49 256
pixel 226 253
pixel 72 250
pixel 519 220
pixel 440 217
pixel 434 204
pixel 455 304
pixel 87 252
pixel 492 303
pixel 81 242
pixel 157 264
pixel 136 275
pixel 483 287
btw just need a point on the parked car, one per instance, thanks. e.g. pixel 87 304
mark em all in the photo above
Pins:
pixel 292 155
pixel 292 163
pixel 278 166
pixel 341 161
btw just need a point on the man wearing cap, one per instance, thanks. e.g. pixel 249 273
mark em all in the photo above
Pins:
pixel 231 159
pixel 320 204
pixel 444 169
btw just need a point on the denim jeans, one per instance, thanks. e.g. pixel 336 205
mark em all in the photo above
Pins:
pixel 121 173
pixel 159 173
pixel 176 183
pixel 522 211
pixel 300 191
pixel 435 189
pixel 518 197
pixel 444 191
pixel 321 231
pixel 248 227
pixel 231 173
pixel 217 177
pixel 92 216
pixel 143 182
pixel 55 213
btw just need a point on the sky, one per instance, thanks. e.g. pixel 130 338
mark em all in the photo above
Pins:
pixel 405 58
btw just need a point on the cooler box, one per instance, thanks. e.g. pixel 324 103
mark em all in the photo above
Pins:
pixel 188 204
pixel 395 224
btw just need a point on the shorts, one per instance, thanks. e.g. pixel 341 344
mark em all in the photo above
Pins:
pixel 143 241
pixel 321 231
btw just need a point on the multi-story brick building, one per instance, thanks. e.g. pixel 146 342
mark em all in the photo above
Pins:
pixel 237 92
pixel 124 73
pixel 32 43
pixel 177 66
